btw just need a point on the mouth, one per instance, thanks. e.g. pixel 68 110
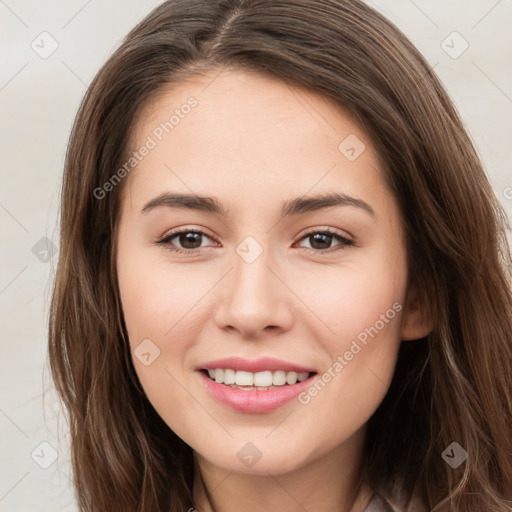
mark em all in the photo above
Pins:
pixel 255 392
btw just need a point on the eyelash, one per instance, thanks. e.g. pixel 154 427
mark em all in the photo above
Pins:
pixel 344 242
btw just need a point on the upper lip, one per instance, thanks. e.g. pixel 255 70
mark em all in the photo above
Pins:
pixel 255 365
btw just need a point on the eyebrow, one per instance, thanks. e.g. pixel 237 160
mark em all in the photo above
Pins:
pixel 297 206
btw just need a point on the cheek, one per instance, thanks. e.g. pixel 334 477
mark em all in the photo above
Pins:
pixel 361 300
pixel 161 314
pixel 363 309
pixel 355 381
pixel 159 299
pixel 165 307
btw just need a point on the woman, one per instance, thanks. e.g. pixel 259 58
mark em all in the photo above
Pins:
pixel 210 360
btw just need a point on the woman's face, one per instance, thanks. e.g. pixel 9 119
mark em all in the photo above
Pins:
pixel 258 281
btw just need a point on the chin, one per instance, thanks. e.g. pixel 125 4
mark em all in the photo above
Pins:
pixel 256 457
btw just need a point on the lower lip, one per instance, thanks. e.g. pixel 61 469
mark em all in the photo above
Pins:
pixel 254 400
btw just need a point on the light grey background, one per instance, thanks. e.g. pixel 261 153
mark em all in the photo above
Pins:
pixel 38 100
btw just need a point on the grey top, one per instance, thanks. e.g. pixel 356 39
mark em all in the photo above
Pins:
pixel 378 504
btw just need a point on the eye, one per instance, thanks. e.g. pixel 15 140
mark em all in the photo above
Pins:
pixel 320 241
pixel 189 239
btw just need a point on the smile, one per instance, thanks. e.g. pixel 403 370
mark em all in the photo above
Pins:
pixel 261 380
pixel 254 386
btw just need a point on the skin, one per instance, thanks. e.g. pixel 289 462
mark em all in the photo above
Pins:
pixel 254 142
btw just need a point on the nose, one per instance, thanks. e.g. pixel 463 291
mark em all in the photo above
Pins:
pixel 254 300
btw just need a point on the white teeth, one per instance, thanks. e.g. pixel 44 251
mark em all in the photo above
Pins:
pixel 258 380
pixel 279 378
pixel 244 378
pixel 291 378
pixel 263 379
pixel 229 376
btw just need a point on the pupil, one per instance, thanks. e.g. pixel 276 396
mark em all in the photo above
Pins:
pixel 187 240
pixel 320 237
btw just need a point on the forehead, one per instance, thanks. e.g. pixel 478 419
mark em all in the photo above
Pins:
pixel 235 99
pixel 249 136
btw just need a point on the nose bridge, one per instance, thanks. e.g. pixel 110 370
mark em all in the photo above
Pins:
pixel 254 298
pixel 252 279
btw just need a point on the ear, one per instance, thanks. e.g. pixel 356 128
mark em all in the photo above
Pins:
pixel 417 319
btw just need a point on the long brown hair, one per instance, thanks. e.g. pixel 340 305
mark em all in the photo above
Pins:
pixel 452 386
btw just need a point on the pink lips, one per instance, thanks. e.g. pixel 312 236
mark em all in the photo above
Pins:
pixel 254 400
